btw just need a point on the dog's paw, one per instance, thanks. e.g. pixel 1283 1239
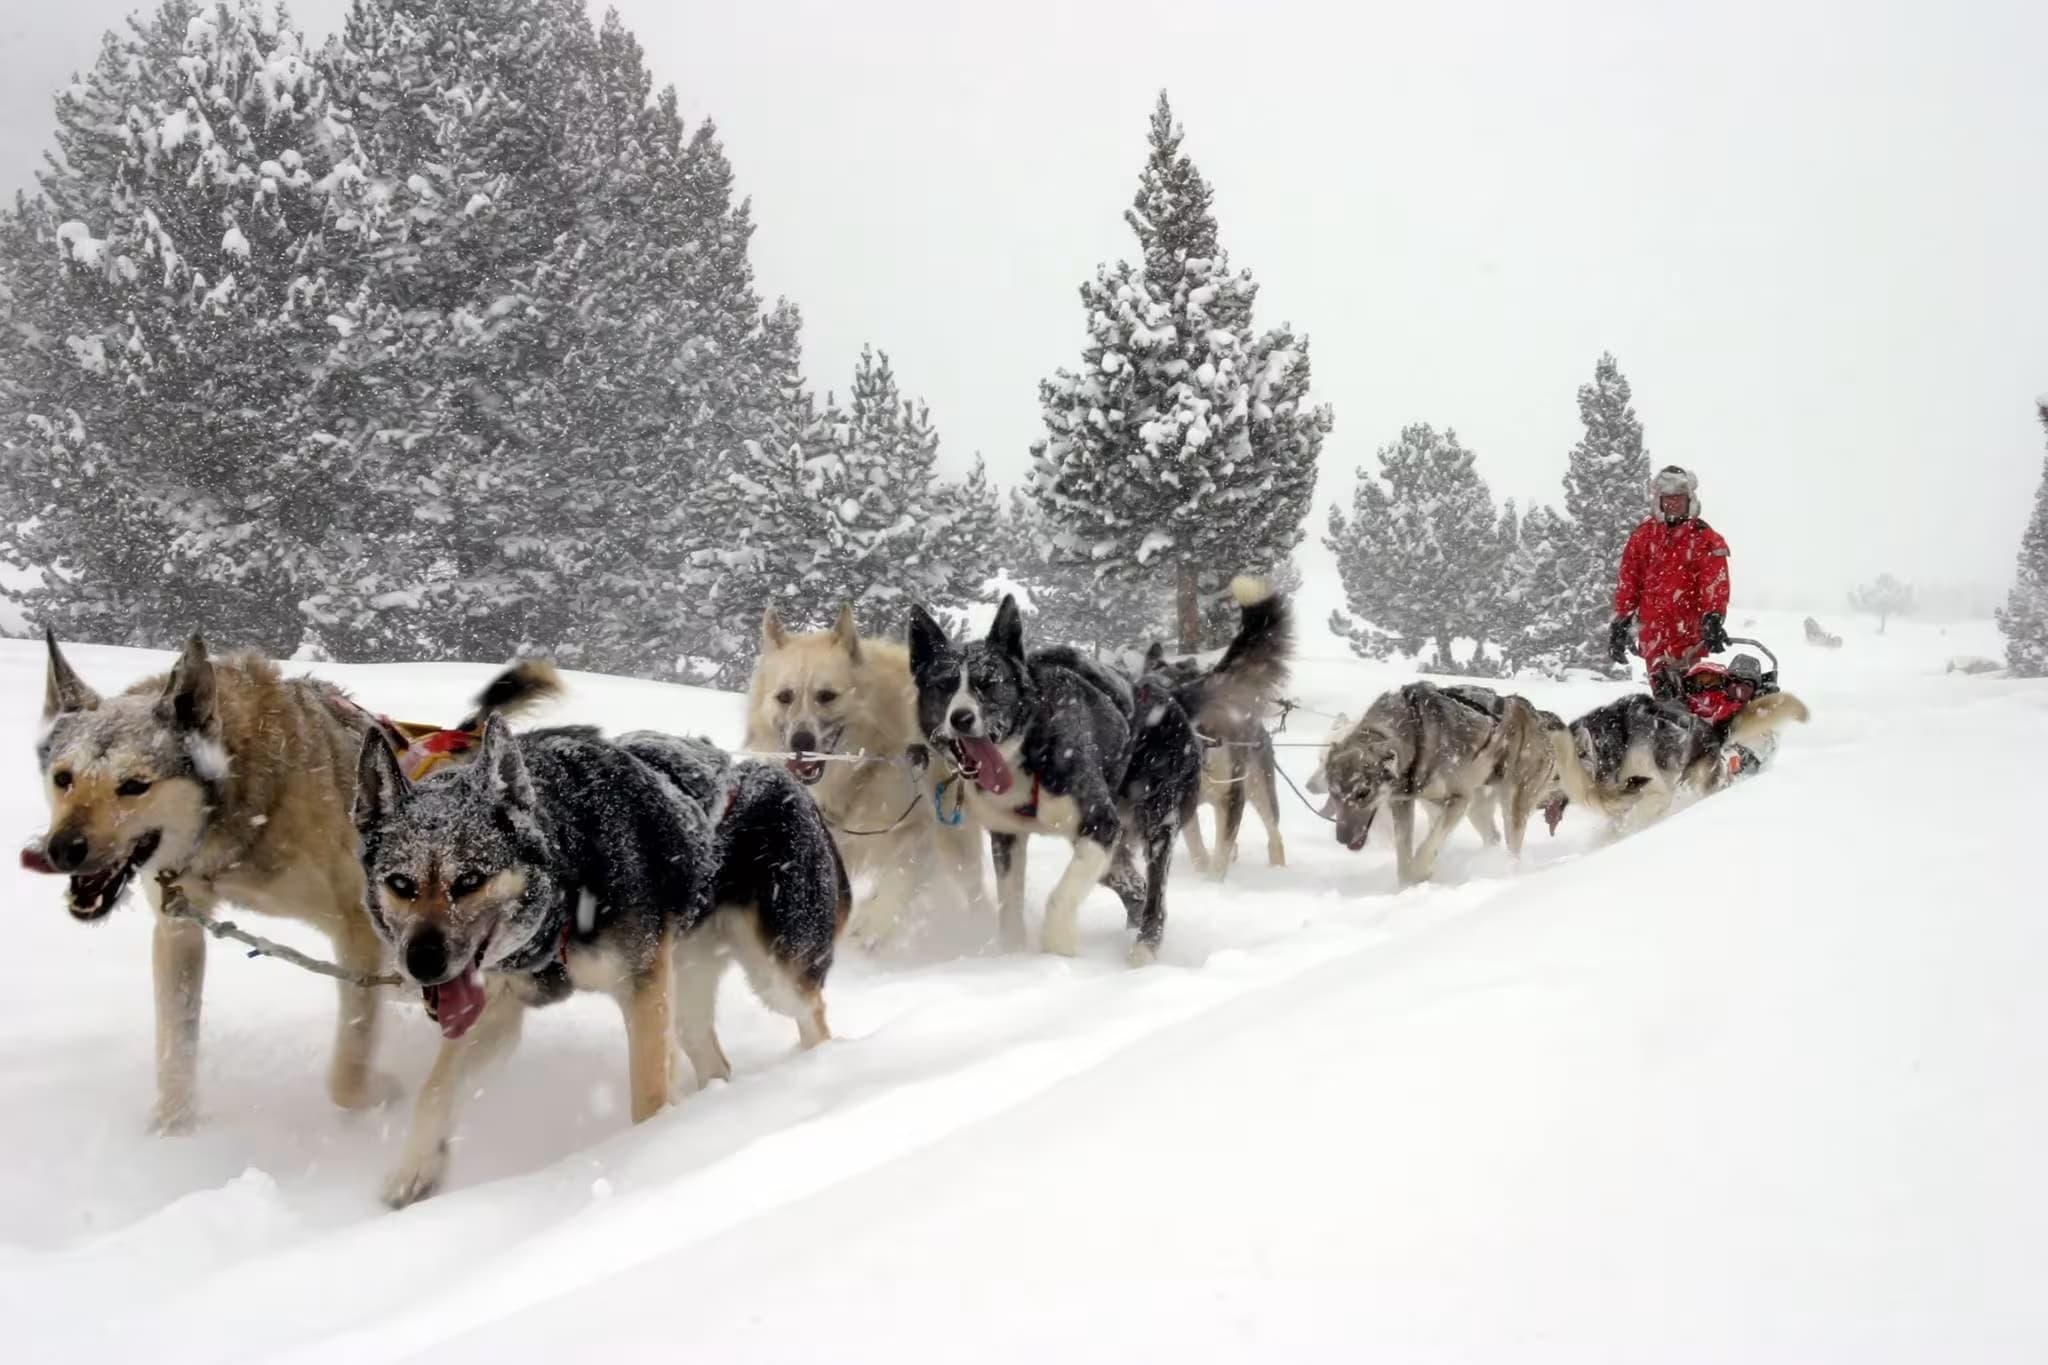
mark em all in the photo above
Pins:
pixel 370 1090
pixel 416 1177
pixel 172 1118
pixel 1142 954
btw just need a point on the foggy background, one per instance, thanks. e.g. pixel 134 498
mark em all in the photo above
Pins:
pixel 1813 234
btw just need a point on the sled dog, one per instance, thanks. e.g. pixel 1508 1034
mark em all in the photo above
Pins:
pixel 835 694
pixel 1526 778
pixel 557 860
pixel 1052 742
pixel 1238 765
pixel 1419 743
pixel 1628 759
pixel 238 780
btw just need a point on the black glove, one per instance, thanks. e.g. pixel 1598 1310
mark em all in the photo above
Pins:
pixel 1617 638
pixel 1713 632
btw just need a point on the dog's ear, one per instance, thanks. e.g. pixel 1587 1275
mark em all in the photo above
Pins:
pixel 188 696
pixel 844 633
pixel 500 768
pixel 773 636
pixel 381 787
pixel 928 642
pixel 1006 636
pixel 63 689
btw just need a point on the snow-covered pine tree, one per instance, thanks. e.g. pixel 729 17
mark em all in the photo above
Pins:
pixel 1503 611
pixel 967 515
pixel 1535 623
pixel 1183 448
pixel 175 294
pixel 2024 618
pixel 1605 491
pixel 455 336
pixel 1419 554
pixel 850 511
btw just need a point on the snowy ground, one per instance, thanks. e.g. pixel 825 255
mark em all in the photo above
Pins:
pixel 1763 1083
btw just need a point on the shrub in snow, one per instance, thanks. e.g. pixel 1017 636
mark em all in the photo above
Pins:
pixel 1883 597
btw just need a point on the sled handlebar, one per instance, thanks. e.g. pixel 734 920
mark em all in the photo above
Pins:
pixel 1741 640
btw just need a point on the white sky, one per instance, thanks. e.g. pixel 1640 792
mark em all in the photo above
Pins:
pixel 1816 235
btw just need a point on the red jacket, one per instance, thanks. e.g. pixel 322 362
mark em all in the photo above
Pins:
pixel 1671 575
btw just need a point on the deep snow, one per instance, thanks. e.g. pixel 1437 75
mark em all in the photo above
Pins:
pixel 1757 1084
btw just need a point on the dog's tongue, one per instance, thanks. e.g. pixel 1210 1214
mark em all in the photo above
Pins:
pixel 1552 813
pixel 457 1003
pixel 35 859
pixel 991 773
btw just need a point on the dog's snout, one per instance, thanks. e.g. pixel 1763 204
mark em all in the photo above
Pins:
pixel 803 741
pixel 426 956
pixel 963 721
pixel 67 850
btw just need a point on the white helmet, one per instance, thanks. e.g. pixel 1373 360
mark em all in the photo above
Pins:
pixel 1671 481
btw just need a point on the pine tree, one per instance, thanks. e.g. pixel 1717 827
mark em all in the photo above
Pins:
pixel 1183 449
pixel 467 109
pixel 1883 597
pixel 160 475
pixel 1419 555
pixel 2024 618
pixel 1605 486
pixel 1535 625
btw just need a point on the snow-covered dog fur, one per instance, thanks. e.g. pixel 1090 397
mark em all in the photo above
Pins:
pixel 1228 703
pixel 558 860
pixel 834 692
pixel 1628 760
pixel 1418 743
pixel 239 780
pixel 1051 742
pixel 1044 743
pixel 1525 778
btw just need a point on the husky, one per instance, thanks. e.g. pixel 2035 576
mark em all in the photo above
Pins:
pixel 1628 760
pixel 835 695
pixel 237 780
pixel 1052 742
pixel 559 860
pixel 1417 743
pixel 1238 765
pixel 1526 778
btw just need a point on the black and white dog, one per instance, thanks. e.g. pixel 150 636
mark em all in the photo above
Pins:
pixel 558 860
pixel 1052 742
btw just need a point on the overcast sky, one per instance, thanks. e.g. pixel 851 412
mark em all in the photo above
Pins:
pixel 1816 235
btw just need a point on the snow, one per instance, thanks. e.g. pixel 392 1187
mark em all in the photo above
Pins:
pixel 1757 1084
pixel 235 244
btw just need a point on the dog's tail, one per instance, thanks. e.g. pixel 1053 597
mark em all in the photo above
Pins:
pixel 1253 669
pixel 1765 714
pixel 524 685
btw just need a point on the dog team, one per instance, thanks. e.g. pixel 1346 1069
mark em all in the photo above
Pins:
pixel 502 871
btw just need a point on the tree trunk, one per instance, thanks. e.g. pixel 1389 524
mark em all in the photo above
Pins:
pixel 1188 609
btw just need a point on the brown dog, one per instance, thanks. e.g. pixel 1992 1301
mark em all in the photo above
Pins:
pixel 239 780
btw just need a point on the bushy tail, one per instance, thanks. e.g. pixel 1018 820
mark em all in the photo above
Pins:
pixel 1765 714
pixel 1253 669
pixel 524 685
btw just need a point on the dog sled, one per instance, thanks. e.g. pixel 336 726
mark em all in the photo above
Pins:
pixel 1718 693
